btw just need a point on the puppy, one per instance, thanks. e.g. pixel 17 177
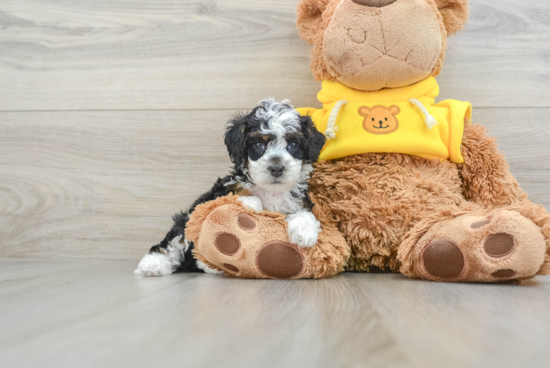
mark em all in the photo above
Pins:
pixel 272 149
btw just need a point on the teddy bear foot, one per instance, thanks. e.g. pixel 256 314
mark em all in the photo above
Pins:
pixel 247 245
pixel 502 246
pixel 234 239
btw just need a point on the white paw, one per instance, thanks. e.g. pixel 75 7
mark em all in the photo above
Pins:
pixel 303 229
pixel 154 264
pixel 252 202
pixel 207 269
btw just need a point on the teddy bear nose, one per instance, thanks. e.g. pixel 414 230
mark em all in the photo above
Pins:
pixel 374 3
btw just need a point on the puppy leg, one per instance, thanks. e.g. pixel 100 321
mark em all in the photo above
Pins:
pixel 173 253
pixel 162 261
pixel 303 229
pixel 253 202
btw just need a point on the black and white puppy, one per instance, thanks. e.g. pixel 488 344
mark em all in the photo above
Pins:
pixel 272 149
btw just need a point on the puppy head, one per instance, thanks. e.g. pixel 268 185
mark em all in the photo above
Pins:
pixel 274 145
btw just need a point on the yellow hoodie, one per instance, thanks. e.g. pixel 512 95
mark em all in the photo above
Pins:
pixel 401 120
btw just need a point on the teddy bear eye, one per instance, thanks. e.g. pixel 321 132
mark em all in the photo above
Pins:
pixel 372 119
pixel 386 119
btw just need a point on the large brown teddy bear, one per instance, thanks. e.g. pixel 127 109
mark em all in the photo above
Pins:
pixel 411 185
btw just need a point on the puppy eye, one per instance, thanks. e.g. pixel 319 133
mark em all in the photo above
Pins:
pixel 259 146
pixel 292 146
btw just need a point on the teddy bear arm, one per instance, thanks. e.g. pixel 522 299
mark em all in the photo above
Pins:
pixel 486 176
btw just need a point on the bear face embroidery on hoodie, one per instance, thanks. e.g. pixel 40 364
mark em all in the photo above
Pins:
pixel 380 119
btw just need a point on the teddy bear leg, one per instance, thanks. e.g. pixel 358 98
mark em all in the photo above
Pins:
pixel 245 244
pixel 505 244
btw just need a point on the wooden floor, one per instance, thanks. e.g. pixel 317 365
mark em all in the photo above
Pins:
pixel 111 119
pixel 94 313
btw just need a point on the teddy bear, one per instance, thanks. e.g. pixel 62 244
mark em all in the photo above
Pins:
pixel 403 184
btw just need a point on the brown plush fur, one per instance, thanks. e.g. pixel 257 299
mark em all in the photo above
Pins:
pixel 384 203
pixel 485 173
pixel 455 14
pixel 377 198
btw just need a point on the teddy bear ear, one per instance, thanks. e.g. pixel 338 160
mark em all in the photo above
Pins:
pixel 455 14
pixel 309 17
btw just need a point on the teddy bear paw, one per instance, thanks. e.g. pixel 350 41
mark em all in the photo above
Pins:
pixel 499 247
pixel 249 245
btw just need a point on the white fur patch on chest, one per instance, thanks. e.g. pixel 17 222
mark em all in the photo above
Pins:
pixel 282 202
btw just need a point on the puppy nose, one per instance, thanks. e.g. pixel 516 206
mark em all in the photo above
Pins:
pixel 375 3
pixel 275 160
pixel 276 170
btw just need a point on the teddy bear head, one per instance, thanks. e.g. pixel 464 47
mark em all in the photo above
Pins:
pixel 373 44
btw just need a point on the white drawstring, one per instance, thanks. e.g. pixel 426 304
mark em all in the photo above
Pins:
pixel 430 120
pixel 331 130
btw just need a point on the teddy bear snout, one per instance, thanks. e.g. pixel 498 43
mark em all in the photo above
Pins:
pixel 374 3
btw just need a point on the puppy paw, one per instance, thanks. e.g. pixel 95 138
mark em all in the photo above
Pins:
pixel 252 202
pixel 303 229
pixel 154 264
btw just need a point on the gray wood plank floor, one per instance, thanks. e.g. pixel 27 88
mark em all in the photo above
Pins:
pixel 111 119
pixel 91 313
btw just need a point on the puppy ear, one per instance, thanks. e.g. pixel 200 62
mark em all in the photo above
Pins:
pixel 309 16
pixel 315 140
pixel 235 138
pixel 455 14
